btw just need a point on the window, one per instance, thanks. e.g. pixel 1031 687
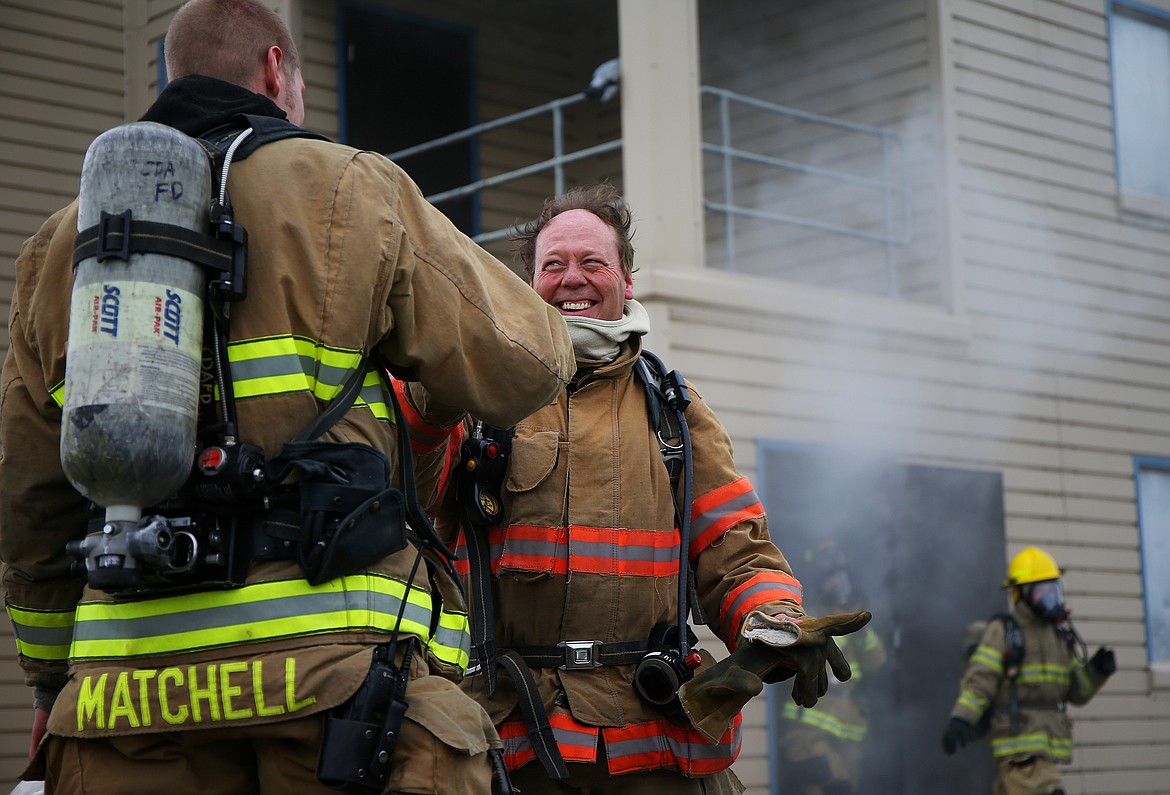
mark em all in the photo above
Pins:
pixel 1153 497
pixel 1139 38
pixel 405 80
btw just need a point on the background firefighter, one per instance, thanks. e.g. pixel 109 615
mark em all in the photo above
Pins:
pixel 1026 680
pixel 822 746
pixel 227 690
pixel 585 557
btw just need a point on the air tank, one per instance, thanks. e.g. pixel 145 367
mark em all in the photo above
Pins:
pixel 128 432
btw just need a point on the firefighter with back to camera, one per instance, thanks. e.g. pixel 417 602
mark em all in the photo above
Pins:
pixel 1028 666
pixel 569 525
pixel 250 600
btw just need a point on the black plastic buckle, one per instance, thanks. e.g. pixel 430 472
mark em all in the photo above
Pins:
pixel 110 226
pixel 231 285
pixel 580 654
pixel 674 387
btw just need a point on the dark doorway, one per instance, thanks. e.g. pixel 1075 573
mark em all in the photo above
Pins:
pixel 404 81
pixel 926 547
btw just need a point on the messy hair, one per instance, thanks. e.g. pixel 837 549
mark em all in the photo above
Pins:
pixel 227 39
pixel 602 199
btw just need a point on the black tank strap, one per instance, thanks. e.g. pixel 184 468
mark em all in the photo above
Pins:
pixel 117 236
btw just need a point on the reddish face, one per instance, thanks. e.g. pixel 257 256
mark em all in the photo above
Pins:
pixel 578 269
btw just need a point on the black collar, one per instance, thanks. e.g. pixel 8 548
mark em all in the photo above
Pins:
pixel 197 104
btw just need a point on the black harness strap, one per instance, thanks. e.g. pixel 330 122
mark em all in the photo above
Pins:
pixel 1013 659
pixel 119 235
pixel 540 732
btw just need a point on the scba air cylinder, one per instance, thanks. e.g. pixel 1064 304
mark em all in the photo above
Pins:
pixel 136 326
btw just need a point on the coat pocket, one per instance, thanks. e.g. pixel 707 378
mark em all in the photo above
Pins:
pixel 444 741
pixel 533 458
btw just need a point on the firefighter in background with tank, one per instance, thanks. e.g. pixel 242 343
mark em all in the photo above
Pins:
pixel 229 690
pixel 1027 669
pixel 821 746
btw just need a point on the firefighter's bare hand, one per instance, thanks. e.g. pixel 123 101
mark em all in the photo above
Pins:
pixel 809 647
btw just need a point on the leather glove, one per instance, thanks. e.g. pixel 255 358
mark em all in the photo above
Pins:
pixel 40 725
pixel 1104 661
pixel 801 646
pixel 806 656
pixel 958 733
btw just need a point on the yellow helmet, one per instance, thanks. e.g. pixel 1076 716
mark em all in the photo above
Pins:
pixel 1031 564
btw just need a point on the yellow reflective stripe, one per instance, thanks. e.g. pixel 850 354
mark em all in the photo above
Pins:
pixel 452 641
pixel 374 395
pixel 1041 673
pixel 42 634
pixel 972 701
pixel 850 732
pixel 280 365
pixel 251 613
pixel 989 657
pixel 1056 748
pixel 287 364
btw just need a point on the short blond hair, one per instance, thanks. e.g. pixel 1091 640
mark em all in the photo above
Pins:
pixel 227 39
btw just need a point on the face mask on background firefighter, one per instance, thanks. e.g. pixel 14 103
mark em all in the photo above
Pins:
pixel 837 587
pixel 1047 600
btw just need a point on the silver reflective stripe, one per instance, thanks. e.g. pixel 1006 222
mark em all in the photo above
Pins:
pixel 251 613
pixel 709 517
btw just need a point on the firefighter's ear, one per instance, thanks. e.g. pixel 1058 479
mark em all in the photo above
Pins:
pixel 273 76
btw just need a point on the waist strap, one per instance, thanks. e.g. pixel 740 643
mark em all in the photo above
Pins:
pixel 572 655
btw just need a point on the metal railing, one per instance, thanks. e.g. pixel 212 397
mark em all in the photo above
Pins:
pixel 556 163
pixel 893 190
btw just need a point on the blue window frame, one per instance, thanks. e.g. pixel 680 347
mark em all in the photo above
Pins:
pixel 1139 44
pixel 1153 502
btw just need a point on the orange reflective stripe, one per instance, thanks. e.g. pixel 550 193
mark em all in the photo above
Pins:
pixel 640 746
pixel 588 550
pixel 639 553
pixel 424 437
pixel 761 588
pixel 450 461
pixel 532 548
pixel 716 512
pixel 575 741
pixel 662 744
pixel 495 544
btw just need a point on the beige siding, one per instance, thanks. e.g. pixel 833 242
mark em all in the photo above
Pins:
pixel 1063 378
pixel 60 84
pixel 1065 288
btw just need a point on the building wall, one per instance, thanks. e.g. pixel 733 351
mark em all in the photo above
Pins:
pixel 61 83
pixel 1068 298
pixel 1051 369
